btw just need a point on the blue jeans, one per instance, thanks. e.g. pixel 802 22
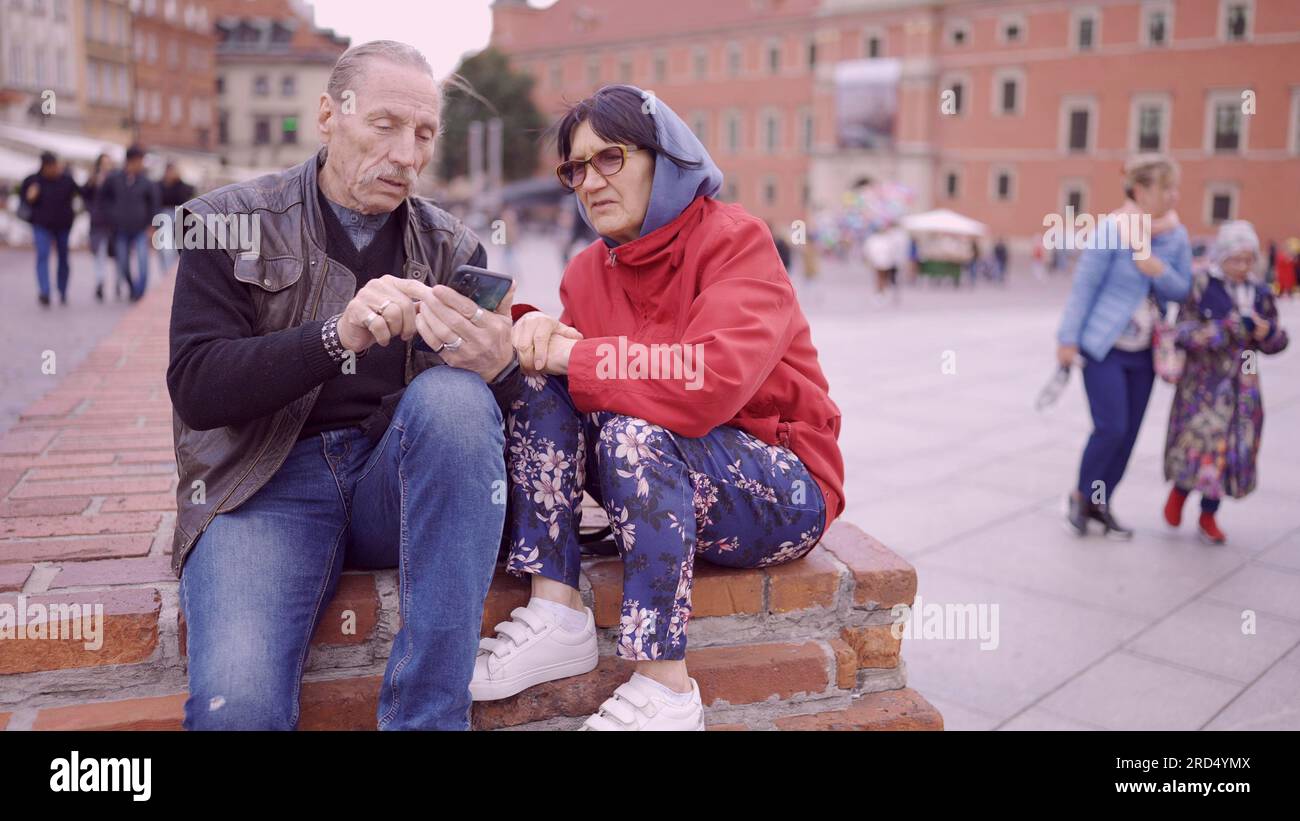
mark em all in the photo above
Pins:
pixel 43 238
pixel 123 243
pixel 725 497
pixel 1118 389
pixel 427 499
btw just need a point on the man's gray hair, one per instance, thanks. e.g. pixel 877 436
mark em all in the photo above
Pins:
pixel 347 71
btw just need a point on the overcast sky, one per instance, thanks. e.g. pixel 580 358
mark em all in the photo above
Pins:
pixel 445 30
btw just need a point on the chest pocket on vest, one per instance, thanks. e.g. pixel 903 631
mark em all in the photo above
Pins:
pixel 277 302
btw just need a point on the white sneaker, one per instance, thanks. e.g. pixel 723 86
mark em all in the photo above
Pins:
pixel 636 705
pixel 529 649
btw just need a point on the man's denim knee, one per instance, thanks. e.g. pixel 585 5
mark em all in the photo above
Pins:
pixel 445 400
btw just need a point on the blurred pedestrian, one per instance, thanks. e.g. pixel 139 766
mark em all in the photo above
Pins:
pixel 173 192
pixel 1217 415
pixel 101 225
pixel 1001 258
pixel 1109 317
pixel 132 200
pixel 1284 262
pixel 48 195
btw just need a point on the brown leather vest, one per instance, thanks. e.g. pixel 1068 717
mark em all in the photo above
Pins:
pixel 292 281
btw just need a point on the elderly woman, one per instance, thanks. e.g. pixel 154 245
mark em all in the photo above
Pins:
pixel 1117 296
pixel 681 388
pixel 1218 412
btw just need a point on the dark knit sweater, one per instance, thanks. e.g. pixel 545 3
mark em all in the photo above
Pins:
pixel 220 374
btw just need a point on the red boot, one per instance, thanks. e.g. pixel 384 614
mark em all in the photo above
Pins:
pixel 1174 506
pixel 1210 533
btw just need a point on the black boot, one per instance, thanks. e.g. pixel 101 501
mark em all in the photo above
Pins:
pixel 1114 530
pixel 99 292
pixel 1076 519
pixel 44 299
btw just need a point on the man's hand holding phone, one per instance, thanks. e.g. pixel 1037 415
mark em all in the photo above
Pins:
pixel 380 312
pixel 459 331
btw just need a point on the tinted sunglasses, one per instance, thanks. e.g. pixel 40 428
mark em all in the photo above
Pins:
pixel 607 162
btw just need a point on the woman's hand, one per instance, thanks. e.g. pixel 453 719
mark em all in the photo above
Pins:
pixel 1066 354
pixel 557 355
pixel 534 335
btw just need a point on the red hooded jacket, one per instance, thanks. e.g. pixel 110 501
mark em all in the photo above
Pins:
pixel 710 278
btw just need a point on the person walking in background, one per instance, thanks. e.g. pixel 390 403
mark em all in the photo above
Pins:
pixel 1217 415
pixel 173 192
pixel 101 225
pixel 1284 263
pixel 132 200
pixel 48 194
pixel 1000 258
pixel 886 251
pixel 1109 317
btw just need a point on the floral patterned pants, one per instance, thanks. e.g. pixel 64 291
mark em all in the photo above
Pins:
pixel 727 496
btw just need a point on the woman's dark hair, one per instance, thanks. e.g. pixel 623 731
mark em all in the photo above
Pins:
pixel 620 114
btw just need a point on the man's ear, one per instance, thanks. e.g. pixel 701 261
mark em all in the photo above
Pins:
pixel 325 117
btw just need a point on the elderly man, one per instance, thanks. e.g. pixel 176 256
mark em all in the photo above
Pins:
pixel 312 432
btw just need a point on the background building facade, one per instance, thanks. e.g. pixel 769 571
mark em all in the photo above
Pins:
pixel 1005 110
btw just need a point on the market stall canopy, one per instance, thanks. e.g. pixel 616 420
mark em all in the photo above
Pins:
pixel 69 147
pixel 943 221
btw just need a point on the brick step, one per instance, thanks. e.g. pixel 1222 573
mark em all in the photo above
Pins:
pixel 843 589
pixel 767 686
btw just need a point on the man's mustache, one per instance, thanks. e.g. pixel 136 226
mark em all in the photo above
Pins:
pixel 405 175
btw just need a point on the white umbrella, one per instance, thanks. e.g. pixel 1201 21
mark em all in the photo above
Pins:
pixel 943 221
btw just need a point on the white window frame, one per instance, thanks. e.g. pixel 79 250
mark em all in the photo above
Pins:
pixel 807 130
pixel 1063 194
pixel 592 71
pixel 944 173
pixel 697 118
pixel 953 26
pixel 1222 25
pixel 1014 17
pixel 769 45
pixel 734 47
pixel 1215 188
pixel 1071 102
pixel 1143 99
pixel 946 80
pixel 1293 125
pixel 769 180
pixel 764 116
pixel 1212 100
pixel 1077 14
pixel 1144 21
pixel 873 31
pixel 696 53
pixel 1022 90
pixel 996 171
pixel 729 116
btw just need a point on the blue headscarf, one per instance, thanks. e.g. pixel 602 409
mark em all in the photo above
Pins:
pixel 673 188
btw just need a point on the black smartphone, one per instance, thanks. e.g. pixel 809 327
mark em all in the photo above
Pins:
pixel 486 289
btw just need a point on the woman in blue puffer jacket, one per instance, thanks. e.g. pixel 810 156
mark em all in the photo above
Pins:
pixel 1121 285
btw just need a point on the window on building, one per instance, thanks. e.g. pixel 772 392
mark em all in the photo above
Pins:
pixel 951 185
pixel 959 34
pixel 769 191
pixel 1157 27
pixel 288 85
pixel 1227 126
pixel 289 130
pixel 812 53
pixel 1236 21
pixel 223 127
pixel 700 63
pixel 1085 31
pixel 1074 199
pixel 956 101
pixel 177 110
pixel 1222 205
pixel 88 14
pixel 262 131
pixel 733 59
pixel 221 84
pixel 1002 186
pixel 874 46
pixel 1078 125
pixel 1013 29
pixel 732 129
pixel 557 74
pixel 660 67
pixel 806 132
pixel 1150 127
pixel 771 124
pixel 625 70
pixel 700 125
pixel 773 58
pixel 1008 95
pixel 261 86
pixel 593 72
